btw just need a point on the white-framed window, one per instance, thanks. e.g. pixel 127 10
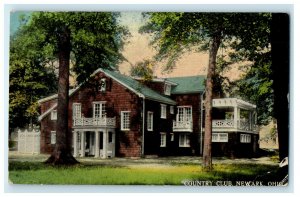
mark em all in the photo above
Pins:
pixel 99 110
pixel 219 137
pixel 167 89
pixel 163 111
pixel 163 139
pixel 172 137
pixel 76 110
pixel 125 120
pixel 245 138
pixel 150 121
pixel 53 137
pixel 102 87
pixel 54 115
pixel 171 109
pixel 184 114
pixel 184 140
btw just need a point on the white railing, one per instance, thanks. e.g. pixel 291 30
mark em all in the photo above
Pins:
pixel 229 124
pixel 183 126
pixel 223 123
pixel 105 122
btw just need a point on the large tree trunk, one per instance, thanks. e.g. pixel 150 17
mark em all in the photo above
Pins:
pixel 62 152
pixel 213 49
pixel 280 66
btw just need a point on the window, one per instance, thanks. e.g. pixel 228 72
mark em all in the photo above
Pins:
pixel 167 89
pixel 163 111
pixel 150 121
pixel 184 114
pixel 219 137
pixel 125 120
pixel 163 139
pixel 172 137
pixel 76 110
pixel 54 115
pixel 102 86
pixel 171 109
pixel 53 137
pixel 99 110
pixel 245 138
pixel 184 140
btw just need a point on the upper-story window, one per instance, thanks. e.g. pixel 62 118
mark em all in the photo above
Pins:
pixel 171 109
pixel 184 114
pixel 167 89
pixel 102 87
pixel 76 110
pixel 150 121
pixel 54 115
pixel 125 120
pixel 163 111
pixel 99 109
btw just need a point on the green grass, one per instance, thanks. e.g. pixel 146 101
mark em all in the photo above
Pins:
pixel 38 173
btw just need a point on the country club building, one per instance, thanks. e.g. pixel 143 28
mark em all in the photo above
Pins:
pixel 118 116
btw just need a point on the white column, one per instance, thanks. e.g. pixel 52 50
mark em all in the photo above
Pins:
pixel 235 117
pixel 82 144
pixel 75 139
pixel 105 143
pixel 250 120
pixel 97 143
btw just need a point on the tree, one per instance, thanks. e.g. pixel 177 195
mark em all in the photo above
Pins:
pixel 94 39
pixel 175 33
pixel 143 70
pixel 31 78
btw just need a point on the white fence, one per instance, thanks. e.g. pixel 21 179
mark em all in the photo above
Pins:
pixel 29 141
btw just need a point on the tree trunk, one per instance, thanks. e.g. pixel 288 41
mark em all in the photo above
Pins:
pixel 62 152
pixel 280 66
pixel 213 49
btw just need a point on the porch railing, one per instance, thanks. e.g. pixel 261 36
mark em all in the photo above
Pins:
pixel 183 126
pixel 229 124
pixel 104 121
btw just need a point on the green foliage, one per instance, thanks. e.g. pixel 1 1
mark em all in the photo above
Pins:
pixel 143 70
pixel 31 76
pixel 96 38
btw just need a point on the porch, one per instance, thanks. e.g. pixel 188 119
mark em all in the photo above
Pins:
pixel 232 114
pixel 94 137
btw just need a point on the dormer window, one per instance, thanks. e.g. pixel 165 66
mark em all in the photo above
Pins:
pixel 167 89
pixel 102 87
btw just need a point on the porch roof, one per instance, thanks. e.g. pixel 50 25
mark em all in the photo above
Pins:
pixel 232 102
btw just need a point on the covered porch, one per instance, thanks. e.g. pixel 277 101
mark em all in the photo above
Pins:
pixel 98 143
pixel 232 114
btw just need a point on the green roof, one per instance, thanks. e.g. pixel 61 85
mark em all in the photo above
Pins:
pixel 192 84
pixel 139 88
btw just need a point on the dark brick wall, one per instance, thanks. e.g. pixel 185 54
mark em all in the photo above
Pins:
pixel 118 98
pixel 234 148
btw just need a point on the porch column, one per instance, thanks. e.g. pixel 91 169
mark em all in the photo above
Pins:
pixel 236 117
pixel 105 143
pixel 97 143
pixel 75 139
pixel 82 144
pixel 250 120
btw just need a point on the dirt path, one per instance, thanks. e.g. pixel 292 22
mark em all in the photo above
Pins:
pixel 145 162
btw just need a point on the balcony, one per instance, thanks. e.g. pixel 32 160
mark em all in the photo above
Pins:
pixel 183 126
pixel 94 122
pixel 230 125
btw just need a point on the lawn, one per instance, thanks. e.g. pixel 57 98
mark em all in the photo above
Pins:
pixel 175 174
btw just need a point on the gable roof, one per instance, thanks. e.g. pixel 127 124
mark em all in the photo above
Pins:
pixel 137 87
pixel 130 83
pixel 191 84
